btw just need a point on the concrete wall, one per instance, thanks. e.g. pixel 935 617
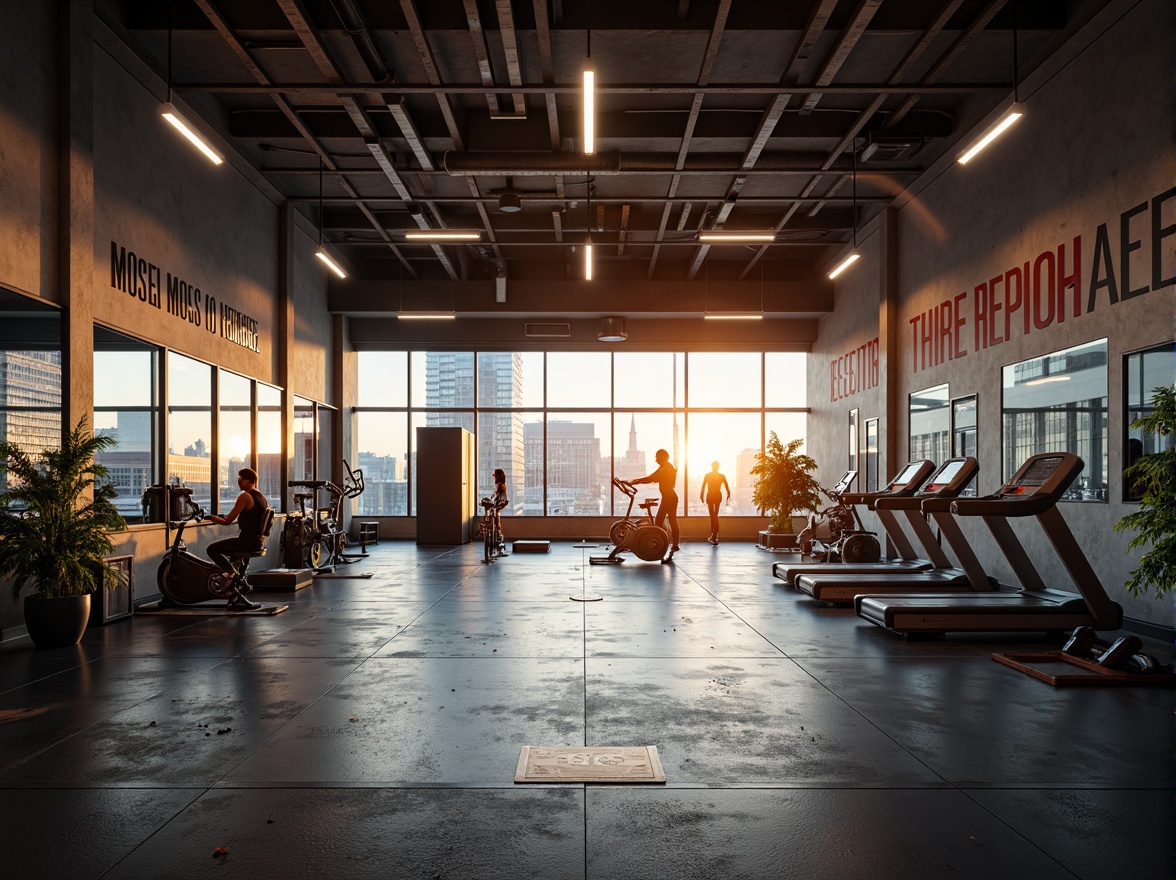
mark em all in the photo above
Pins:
pixel 128 178
pixel 1091 148
pixel 28 149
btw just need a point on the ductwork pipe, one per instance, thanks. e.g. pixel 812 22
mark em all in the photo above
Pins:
pixel 357 29
pixel 524 164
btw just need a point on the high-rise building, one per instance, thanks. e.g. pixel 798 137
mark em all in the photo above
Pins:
pixel 30 399
pixel 573 467
pixel 449 382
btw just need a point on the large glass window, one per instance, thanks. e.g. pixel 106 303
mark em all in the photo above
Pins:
pixel 30 374
pixel 871 455
pixel 930 424
pixel 381 443
pixel 189 426
pixel 562 424
pixel 269 443
pixel 732 440
pixel 305 440
pixel 724 380
pixel 1058 403
pixel 235 432
pixel 1143 373
pixel 963 434
pixel 126 407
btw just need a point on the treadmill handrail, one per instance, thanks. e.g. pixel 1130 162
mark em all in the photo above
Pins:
pixel 899 502
pixel 1002 505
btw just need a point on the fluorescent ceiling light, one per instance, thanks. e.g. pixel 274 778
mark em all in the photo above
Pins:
pixel 1015 112
pixel 589 108
pixel 733 316
pixel 331 264
pixel 427 316
pixel 172 115
pixel 719 236
pixel 442 235
pixel 588 260
pixel 844 264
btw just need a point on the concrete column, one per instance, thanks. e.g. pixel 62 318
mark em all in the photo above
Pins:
pixel 344 389
pixel 75 226
pixel 284 341
pixel 893 429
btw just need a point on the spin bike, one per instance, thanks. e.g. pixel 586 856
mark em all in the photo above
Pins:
pixel 187 579
pixel 643 537
pixel 314 537
pixel 850 541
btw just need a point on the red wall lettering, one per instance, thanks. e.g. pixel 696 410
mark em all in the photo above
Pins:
pixel 855 371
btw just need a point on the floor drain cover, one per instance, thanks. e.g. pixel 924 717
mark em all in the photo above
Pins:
pixel 586 597
pixel 610 764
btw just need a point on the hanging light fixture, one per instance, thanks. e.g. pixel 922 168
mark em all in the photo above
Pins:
pixel 321 252
pixel 442 235
pixel 853 255
pixel 1015 112
pixel 589 89
pixel 169 112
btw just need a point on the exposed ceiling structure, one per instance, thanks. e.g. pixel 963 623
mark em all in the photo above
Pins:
pixel 800 119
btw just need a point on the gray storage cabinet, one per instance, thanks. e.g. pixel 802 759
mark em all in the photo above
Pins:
pixel 445 486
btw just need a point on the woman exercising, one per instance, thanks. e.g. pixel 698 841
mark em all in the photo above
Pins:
pixel 712 489
pixel 665 476
pixel 248 511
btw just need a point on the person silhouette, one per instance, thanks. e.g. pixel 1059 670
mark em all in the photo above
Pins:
pixel 665 476
pixel 712 488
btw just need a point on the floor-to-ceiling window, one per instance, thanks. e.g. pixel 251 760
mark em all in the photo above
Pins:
pixel 30 374
pixel 563 424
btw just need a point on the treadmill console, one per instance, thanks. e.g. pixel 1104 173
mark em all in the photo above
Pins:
pixel 1050 473
pixel 952 477
pixel 914 473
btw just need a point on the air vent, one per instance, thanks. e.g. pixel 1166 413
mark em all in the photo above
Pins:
pixel 548 330
pixel 890 147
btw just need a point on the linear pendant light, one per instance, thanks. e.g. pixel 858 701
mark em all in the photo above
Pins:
pixel 853 255
pixel 321 252
pixel 1015 112
pixel 733 236
pixel 442 235
pixel 169 112
pixel 589 89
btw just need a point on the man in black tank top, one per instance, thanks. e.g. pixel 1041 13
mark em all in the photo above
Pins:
pixel 248 511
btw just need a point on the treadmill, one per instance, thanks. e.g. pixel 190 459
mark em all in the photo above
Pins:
pixel 935 574
pixel 1033 490
pixel 909 479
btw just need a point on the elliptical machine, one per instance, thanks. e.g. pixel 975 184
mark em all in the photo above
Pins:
pixel 187 579
pixel 643 537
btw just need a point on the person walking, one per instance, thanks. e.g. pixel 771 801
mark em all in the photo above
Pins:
pixel 665 476
pixel 712 493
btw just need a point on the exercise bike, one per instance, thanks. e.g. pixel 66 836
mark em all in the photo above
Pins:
pixel 850 541
pixel 187 579
pixel 642 537
pixel 314 538
pixel 493 544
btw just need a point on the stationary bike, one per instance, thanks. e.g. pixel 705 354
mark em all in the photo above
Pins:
pixel 850 541
pixel 493 544
pixel 187 579
pixel 643 537
pixel 314 533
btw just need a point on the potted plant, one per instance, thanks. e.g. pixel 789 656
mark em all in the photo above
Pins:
pixel 54 519
pixel 1155 476
pixel 784 486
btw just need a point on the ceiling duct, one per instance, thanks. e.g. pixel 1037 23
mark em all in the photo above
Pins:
pixel 548 331
pixel 889 147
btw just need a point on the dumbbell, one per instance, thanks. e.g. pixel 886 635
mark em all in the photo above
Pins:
pixel 1120 652
pixel 1080 642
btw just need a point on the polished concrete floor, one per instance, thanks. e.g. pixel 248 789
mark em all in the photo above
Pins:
pixel 374 728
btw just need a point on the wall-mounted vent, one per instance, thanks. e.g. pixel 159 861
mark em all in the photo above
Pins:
pixel 548 331
pixel 890 147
